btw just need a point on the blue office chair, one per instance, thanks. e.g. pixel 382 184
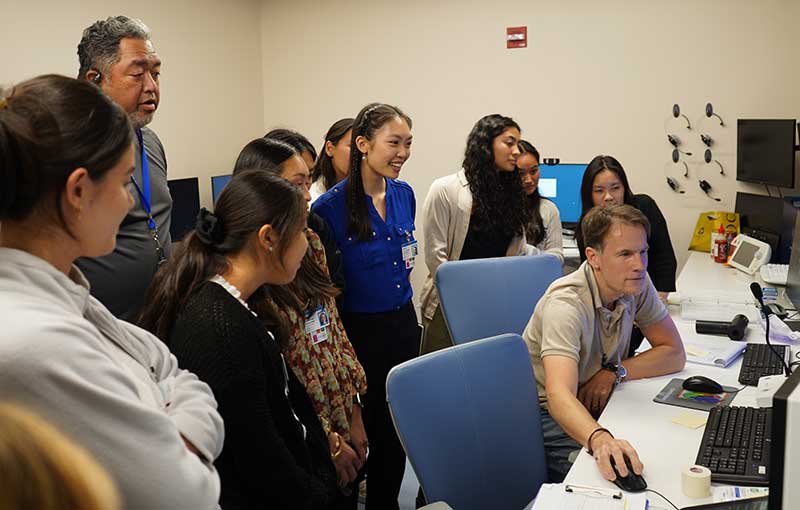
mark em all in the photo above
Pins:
pixel 468 418
pixel 485 297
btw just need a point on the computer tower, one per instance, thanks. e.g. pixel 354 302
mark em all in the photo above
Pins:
pixel 770 219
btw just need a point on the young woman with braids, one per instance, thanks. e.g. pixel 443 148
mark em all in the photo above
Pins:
pixel 209 304
pixel 543 232
pixel 371 214
pixel 318 350
pixel 478 212
pixel 333 162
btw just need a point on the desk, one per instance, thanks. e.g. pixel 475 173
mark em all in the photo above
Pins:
pixel 665 447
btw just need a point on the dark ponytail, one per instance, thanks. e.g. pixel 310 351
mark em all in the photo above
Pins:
pixel 535 230
pixel 368 121
pixel 50 126
pixel 250 200
pixel 323 168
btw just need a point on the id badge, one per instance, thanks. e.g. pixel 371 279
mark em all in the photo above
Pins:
pixel 410 252
pixel 316 324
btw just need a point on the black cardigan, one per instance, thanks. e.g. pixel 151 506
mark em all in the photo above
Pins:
pixel 265 463
pixel 661 265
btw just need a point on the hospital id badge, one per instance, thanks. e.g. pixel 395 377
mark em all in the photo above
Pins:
pixel 316 324
pixel 410 252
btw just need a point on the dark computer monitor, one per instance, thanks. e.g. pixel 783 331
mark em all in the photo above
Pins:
pixel 765 151
pixel 185 206
pixel 770 219
pixel 218 182
pixel 784 491
pixel 562 184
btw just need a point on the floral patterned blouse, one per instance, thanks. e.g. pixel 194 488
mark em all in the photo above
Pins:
pixel 328 368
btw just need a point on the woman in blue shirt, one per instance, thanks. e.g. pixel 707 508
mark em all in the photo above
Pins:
pixel 371 215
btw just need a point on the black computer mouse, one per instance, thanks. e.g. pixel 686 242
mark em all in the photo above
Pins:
pixel 630 483
pixel 702 384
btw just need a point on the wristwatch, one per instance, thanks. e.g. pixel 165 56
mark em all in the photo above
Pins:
pixel 618 369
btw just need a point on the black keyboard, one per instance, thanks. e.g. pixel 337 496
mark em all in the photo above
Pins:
pixel 759 361
pixel 736 445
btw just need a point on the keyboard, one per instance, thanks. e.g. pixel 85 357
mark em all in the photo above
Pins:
pixel 775 274
pixel 759 361
pixel 736 445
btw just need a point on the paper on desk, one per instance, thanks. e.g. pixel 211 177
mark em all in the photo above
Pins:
pixel 718 353
pixel 693 421
pixel 553 496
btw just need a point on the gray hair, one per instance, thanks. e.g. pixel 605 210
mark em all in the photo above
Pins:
pixel 99 46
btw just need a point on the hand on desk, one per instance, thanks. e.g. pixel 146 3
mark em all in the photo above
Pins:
pixel 604 447
pixel 595 392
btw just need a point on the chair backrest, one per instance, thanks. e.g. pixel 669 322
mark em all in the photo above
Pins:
pixel 468 418
pixel 486 297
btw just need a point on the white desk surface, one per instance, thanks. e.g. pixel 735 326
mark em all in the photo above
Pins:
pixel 665 447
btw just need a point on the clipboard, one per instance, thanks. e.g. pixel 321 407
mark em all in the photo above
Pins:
pixel 572 496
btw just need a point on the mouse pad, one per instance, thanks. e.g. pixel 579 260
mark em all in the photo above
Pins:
pixel 674 395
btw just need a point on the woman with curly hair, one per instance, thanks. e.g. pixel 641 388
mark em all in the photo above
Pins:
pixel 478 212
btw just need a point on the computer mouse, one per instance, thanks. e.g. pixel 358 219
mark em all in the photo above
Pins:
pixel 630 483
pixel 702 384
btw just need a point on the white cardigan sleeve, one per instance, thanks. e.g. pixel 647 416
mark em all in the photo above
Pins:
pixel 436 222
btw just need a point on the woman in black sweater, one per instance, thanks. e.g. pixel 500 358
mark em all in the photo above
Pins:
pixel 605 183
pixel 208 303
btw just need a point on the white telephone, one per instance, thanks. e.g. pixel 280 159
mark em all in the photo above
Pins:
pixel 749 254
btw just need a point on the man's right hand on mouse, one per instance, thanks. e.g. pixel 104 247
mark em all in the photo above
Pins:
pixel 604 446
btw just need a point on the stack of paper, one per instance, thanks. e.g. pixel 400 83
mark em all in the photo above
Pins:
pixel 555 496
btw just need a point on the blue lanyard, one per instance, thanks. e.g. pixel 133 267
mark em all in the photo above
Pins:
pixel 144 189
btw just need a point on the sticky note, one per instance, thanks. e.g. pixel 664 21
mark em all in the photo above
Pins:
pixel 690 420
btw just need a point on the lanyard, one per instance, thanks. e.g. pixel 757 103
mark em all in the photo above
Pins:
pixel 144 189
pixel 144 196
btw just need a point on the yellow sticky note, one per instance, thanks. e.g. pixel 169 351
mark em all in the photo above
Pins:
pixel 690 420
pixel 692 350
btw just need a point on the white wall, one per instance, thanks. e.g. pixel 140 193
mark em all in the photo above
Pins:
pixel 211 88
pixel 597 77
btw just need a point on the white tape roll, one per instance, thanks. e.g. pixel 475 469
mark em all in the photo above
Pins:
pixel 696 482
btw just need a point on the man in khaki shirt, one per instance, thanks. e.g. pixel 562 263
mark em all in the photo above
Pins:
pixel 578 340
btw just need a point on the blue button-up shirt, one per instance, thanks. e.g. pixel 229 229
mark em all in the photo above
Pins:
pixel 375 274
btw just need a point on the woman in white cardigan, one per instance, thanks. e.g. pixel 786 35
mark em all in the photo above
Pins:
pixel 66 158
pixel 543 232
pixel 478 212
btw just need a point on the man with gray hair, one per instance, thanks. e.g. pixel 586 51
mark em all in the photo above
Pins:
pixel 578 341
pixel 117 55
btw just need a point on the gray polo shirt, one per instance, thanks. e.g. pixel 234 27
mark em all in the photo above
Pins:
pixel 570 320
pixel 120 279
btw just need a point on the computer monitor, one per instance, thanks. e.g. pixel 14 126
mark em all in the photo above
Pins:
pixel 769 219
pixel 185 206
pixel 765 151
pixel 218 182
pixel 562 184
pixel 784 491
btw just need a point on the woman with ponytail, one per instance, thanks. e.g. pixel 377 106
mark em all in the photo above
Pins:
pixel 318 350
pixel 333 162
pixel 66 158
pixel 478 212
pixel 209 303
pixel 371 214
pixel 543 231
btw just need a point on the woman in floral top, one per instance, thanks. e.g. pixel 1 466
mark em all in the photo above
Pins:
pixel 318 350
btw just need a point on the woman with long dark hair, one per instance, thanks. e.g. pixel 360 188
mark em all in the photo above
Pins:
pixel 371 214
pixel 318 350
pixel 333 162
pixel 478 212
pixel 66 159
pixel 605 183
pixel 543 232
pixel 209 304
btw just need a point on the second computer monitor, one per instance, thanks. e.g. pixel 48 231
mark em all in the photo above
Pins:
pixel 562 184
pixel 218 182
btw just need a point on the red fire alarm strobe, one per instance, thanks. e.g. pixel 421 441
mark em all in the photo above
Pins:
pixel 517 37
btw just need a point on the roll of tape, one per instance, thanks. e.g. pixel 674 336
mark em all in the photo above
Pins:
pixel 696 482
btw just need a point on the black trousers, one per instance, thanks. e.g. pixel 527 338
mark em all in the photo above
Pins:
pixel 382 341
